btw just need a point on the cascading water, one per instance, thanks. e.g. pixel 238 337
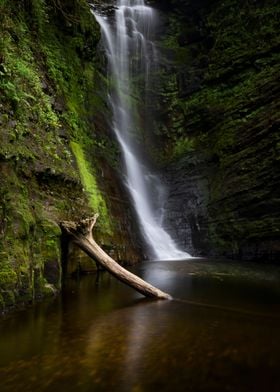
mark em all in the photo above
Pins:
pixel 132 55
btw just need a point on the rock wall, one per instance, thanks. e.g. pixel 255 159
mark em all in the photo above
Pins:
pixel 186 207
pixel 216 135
pixel 56 161
pixel 219 124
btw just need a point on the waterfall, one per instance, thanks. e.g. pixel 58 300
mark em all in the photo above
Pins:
pixel 131 55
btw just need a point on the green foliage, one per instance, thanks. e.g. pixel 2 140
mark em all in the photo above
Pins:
pixel 29 113
pixel 182 147
pixel 8 277
pixel 38 14
pixel 241 32
pixel 8 284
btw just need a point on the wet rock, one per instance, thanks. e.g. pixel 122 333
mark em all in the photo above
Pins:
pixel 12 124
pixel 186 205
pixel 226 101
pixel 44 85
pixel 59 105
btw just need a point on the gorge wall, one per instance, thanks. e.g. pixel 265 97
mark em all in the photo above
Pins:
pixel 215 135
pixel 219 125
pixel 57 160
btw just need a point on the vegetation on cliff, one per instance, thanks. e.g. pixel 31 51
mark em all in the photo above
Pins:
pixel 220 113
pixel 216 122
pixel 50 148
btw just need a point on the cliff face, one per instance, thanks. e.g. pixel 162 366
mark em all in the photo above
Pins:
pixel 216 132
pixel 219 125
pixel 56 160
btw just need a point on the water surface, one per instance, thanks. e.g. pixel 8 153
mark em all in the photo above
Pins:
pixel 223 335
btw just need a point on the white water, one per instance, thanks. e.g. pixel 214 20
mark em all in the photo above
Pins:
pixel 131 53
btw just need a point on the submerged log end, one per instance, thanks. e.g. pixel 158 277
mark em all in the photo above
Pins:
pixel 163 295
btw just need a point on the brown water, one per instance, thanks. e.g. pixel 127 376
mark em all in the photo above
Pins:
pixel 104 337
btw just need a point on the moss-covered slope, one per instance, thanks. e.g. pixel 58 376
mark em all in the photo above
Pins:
pixel 55 163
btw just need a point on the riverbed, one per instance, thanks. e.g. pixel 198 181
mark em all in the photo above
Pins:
pixel 220 333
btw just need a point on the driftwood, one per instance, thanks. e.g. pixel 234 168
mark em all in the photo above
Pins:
pixel 81 234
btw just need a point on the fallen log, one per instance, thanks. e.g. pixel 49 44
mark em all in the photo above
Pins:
pixel 81 234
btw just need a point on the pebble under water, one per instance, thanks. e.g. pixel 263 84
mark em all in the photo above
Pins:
pixel 222 335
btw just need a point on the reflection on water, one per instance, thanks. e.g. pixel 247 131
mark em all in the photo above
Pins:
pixel 105 337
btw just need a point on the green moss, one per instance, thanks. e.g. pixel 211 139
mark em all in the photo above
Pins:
pixel 2 302
pixel 240 32
pixel 8 277
pixel 8 284
pixel 96 199
pixel 48 78
pixel 9 297
pixel 222 104
pixel 182 147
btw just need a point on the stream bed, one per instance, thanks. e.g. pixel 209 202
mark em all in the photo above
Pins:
pixel 221 333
